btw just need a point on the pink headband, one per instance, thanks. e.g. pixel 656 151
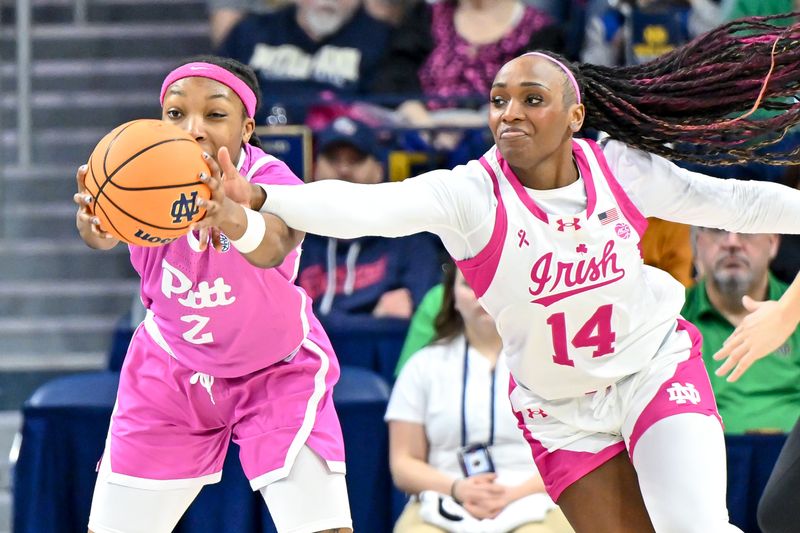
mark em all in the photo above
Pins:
pixel 213 72
pixel 563 67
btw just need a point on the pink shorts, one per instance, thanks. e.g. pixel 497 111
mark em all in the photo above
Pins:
pixel 171 426
pixel 571 437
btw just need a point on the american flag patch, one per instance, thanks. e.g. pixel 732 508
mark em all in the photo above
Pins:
pixel 607 217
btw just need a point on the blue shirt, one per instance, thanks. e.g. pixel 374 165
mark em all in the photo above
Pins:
pixel 293 69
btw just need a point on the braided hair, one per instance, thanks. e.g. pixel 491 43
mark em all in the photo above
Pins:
pixel 696 102
pixel 241 71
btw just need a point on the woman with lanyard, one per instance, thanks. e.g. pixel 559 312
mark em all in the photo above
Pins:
pixel 476 478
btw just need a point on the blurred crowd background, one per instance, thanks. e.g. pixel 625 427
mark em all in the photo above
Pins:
pixel 359 90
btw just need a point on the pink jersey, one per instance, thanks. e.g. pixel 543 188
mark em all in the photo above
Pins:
pixel 215 312
pixel 575 305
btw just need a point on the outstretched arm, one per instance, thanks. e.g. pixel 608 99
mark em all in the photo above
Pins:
pixel 661 189
pixel 762 332
pixel 458 206
pixel 347 210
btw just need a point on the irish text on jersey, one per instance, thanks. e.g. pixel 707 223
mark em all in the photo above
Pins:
pixel 554 281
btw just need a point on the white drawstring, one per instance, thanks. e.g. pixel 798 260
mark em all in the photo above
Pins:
pixel 350 265
pixel 330 289
pixel 205 381
pixel 605 399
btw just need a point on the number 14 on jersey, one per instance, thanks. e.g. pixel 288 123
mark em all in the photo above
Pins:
pixel 595 332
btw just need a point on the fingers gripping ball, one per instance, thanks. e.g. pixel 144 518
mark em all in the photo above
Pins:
pixel 144 178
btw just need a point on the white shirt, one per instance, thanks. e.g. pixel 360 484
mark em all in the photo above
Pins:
pixel 428 392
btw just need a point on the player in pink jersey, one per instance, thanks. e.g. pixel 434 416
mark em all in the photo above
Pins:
pixel 546 230
pixel 229 347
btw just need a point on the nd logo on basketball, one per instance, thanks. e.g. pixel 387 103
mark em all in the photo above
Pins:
pixel 184 208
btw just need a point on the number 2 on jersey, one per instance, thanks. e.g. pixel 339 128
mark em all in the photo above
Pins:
pixel 595 332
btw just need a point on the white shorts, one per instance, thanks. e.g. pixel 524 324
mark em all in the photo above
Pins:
pixel 123 509
pixel 571 437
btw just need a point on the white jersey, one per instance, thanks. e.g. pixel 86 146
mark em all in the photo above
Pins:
pixel 575 305
pixel 540 272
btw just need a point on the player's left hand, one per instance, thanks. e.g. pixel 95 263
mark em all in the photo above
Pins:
pixel 761 332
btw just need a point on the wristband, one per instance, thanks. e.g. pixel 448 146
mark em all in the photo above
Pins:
pixel 253 234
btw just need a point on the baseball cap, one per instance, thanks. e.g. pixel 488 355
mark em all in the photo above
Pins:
pixel 346 131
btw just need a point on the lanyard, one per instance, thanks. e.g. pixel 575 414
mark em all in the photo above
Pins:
pixel 464 399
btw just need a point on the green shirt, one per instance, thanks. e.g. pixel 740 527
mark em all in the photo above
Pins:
pixel 761 8
pixel 767 396
pixel 421 331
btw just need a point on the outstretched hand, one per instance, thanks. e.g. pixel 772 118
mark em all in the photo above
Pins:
pixel 219 207
pixel 761 332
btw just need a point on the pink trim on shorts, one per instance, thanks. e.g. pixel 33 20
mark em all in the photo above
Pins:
pixel 692 370
pixel 561 468
pixel 302 436
pixel 628 208
pixel 270 426
pixel 479 271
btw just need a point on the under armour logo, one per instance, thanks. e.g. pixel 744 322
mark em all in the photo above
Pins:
pixel 681 394
pixel 185 207
pixel 532 413
pixel 574 224
pixel 522 240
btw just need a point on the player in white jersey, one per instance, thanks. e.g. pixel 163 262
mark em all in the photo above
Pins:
pixel 546 230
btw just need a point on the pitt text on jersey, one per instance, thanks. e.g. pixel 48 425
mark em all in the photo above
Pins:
pixel 175 282
pixel 554 282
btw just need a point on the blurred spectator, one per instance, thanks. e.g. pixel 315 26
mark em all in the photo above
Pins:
pixel 463 376
pixel 622 32
pixel 760 8
pixel 388 11
pixel 449 51
pixel 223 15
pixel 767 397
pixel 557 9
pixel 308 50
pixel 371 276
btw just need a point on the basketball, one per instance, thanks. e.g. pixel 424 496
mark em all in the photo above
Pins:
pixel 144 178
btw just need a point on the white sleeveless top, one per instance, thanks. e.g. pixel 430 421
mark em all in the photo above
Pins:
pixel 575 305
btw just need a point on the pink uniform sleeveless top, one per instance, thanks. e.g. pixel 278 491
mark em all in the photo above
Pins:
pixel 575 305
pixel 215 312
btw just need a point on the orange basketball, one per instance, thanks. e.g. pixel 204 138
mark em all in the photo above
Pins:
pixel 144 178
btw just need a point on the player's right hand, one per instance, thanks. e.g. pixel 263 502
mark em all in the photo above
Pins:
pixel 88 224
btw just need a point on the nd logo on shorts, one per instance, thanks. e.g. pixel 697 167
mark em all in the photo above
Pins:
pixel 682 393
